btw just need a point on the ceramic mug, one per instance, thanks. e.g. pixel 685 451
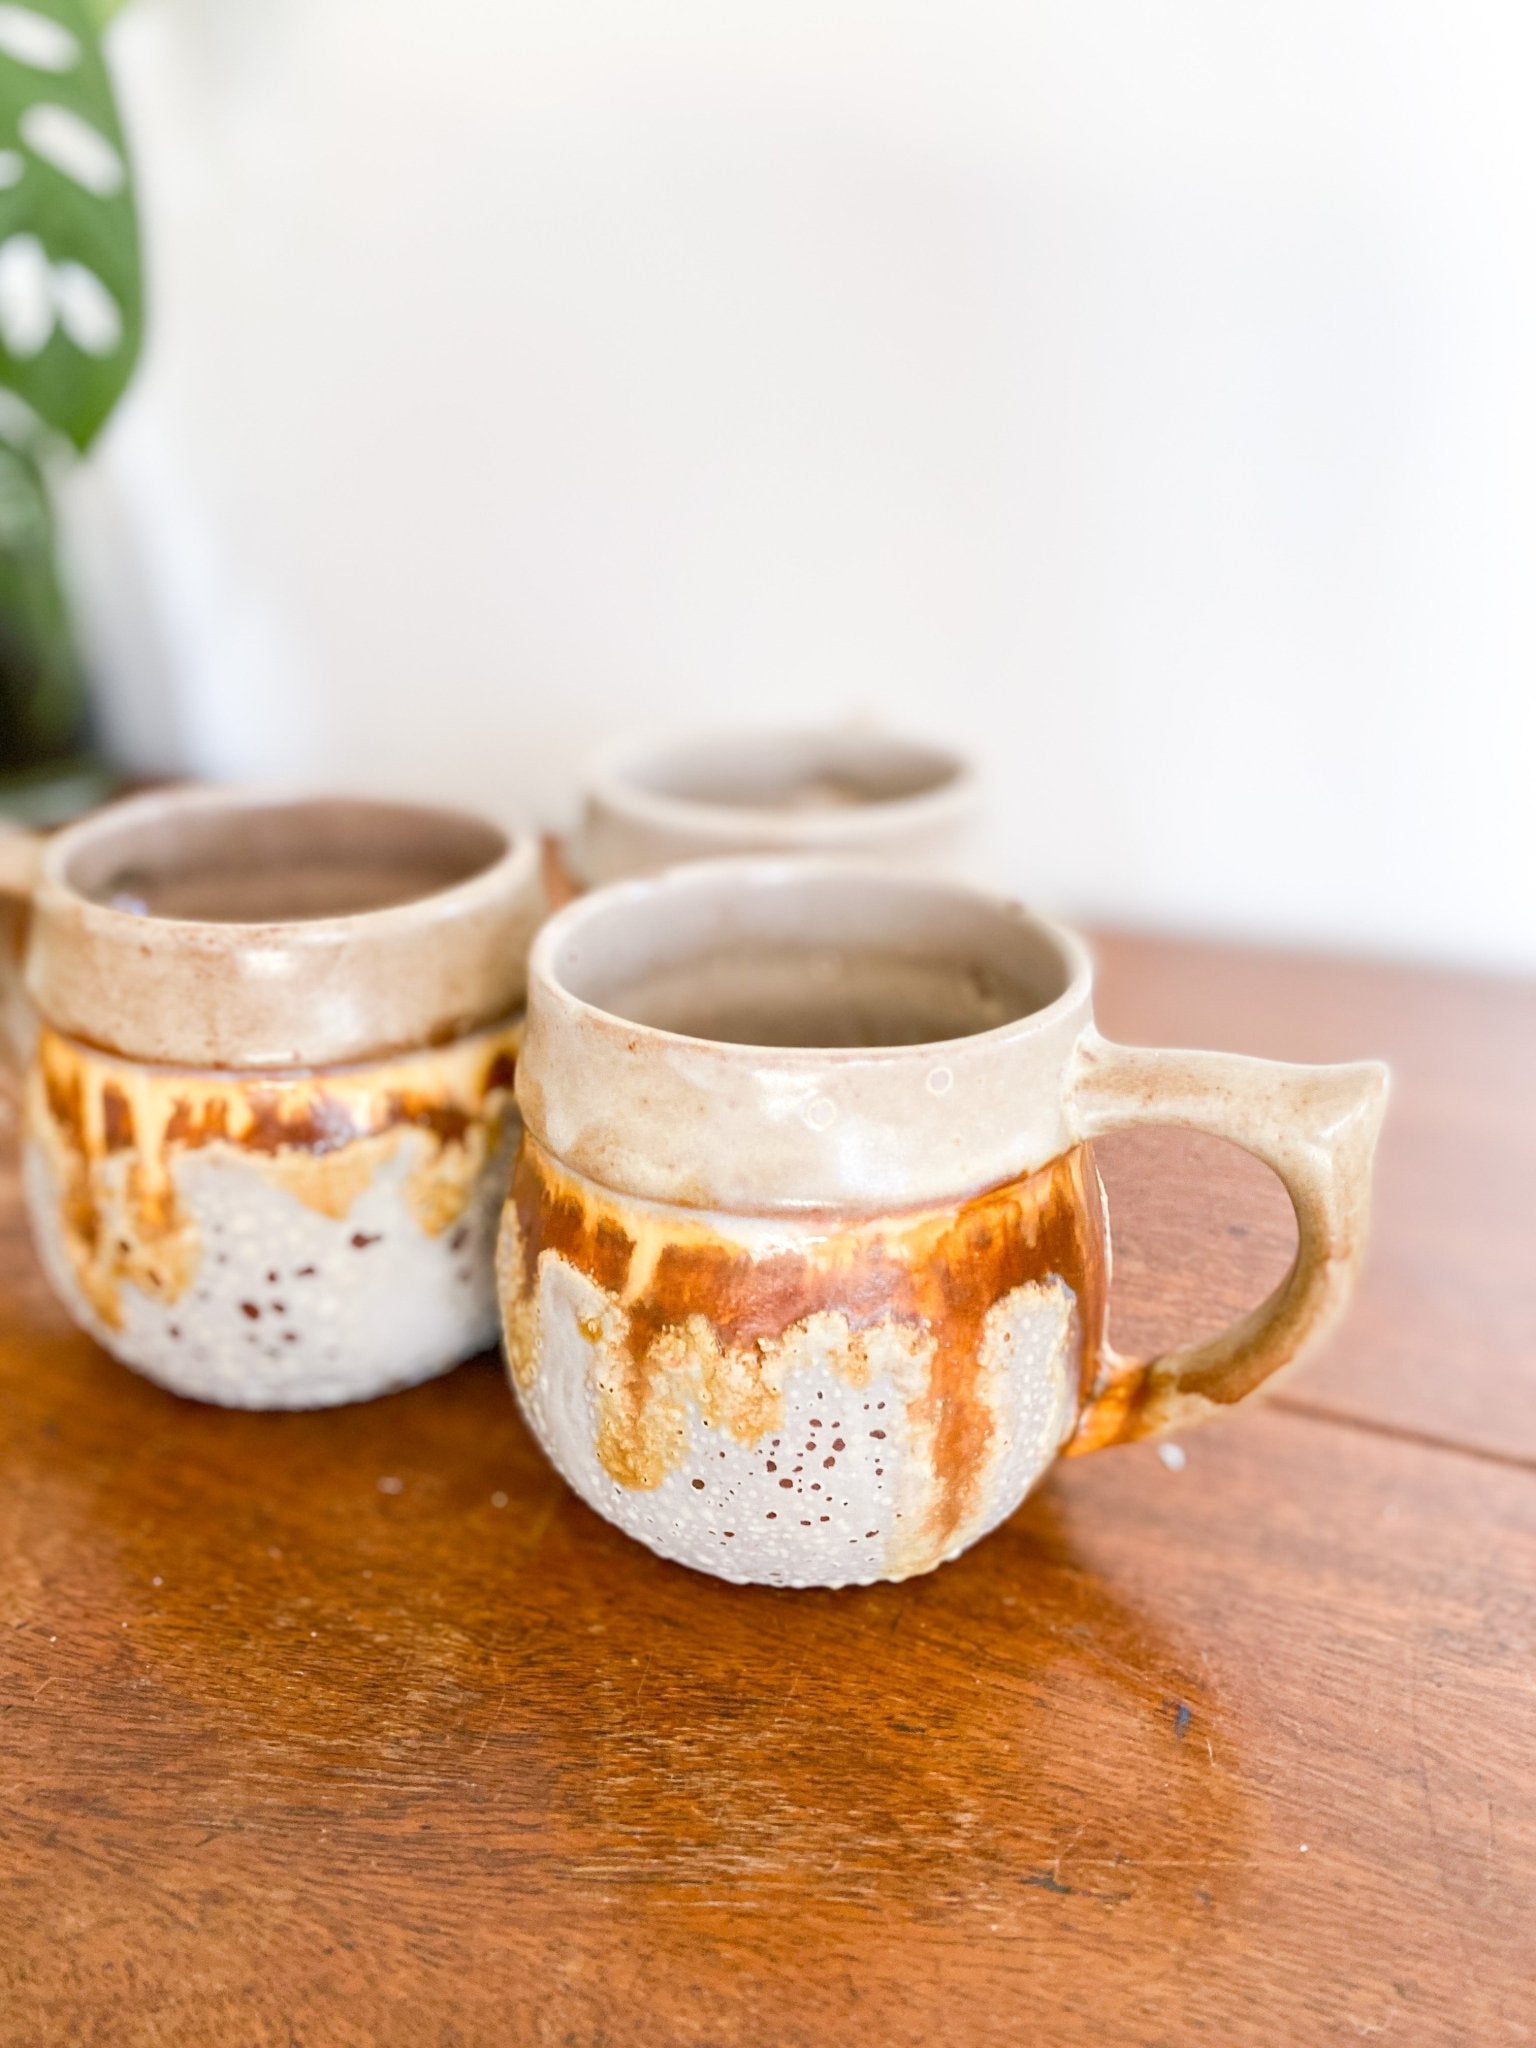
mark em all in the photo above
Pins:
pixel 268 1110
pixel 804 1271
pixel 839 790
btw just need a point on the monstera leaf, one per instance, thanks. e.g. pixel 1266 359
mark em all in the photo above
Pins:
pixel 71 309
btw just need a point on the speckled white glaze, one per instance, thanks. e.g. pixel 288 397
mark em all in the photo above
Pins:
pixel 274 1241
pixel 718 1250
pixel 839 1490
pixel 289 1307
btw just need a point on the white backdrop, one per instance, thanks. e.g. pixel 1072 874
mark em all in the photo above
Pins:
pixel 1141 396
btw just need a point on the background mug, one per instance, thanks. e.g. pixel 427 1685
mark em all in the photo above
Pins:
pixel 267 1048
pixel 805 1267
pixel 851 790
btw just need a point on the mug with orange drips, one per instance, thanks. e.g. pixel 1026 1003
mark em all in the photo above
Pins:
pixel 804 1269
pixel 266 1047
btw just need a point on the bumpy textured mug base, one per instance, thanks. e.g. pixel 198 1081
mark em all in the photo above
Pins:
pixel 815 1501
pixel 292 1309
pixel 276 1243
pixel 789 1403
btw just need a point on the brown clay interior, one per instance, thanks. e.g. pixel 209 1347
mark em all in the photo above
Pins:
pixel 270 863
pixel 825 964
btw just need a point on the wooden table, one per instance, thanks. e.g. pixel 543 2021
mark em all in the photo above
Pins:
pixel 357 1728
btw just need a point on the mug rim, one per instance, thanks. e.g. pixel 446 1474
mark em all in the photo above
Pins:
pixel 282 993
pixel 612 783
pixel 764 870
pixel 516 864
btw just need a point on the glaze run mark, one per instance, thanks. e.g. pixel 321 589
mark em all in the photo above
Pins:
pixel 695 1310
pixel 115 1135
pixel 502 1071
pixel 116 1119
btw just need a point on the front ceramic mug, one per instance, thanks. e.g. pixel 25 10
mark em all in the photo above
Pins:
pixel 804 1272
pixel 268 1090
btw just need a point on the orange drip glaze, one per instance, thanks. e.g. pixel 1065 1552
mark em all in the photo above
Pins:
pixel 938 1272
pixel 321 1135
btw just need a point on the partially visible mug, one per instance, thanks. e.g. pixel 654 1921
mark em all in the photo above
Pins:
pixel 268 1110
pixel 850 790
pixel 804 1273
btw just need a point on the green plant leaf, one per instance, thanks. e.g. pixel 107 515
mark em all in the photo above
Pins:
pixel 42 689
pixel 71 296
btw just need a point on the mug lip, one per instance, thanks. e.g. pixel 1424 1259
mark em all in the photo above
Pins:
pixel 767 870
pixel 512 871
pixel 613 784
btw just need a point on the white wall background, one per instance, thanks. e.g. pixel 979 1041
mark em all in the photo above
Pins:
pixel 1142 395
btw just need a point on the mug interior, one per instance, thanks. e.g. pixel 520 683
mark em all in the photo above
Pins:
pixel 782 954
pixel 245 861
pixel 789 774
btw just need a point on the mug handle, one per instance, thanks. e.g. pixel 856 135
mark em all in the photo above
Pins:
pixel 1316 1127
pixel 21 856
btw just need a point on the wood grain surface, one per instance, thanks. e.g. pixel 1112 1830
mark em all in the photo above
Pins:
pixel 357 1728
